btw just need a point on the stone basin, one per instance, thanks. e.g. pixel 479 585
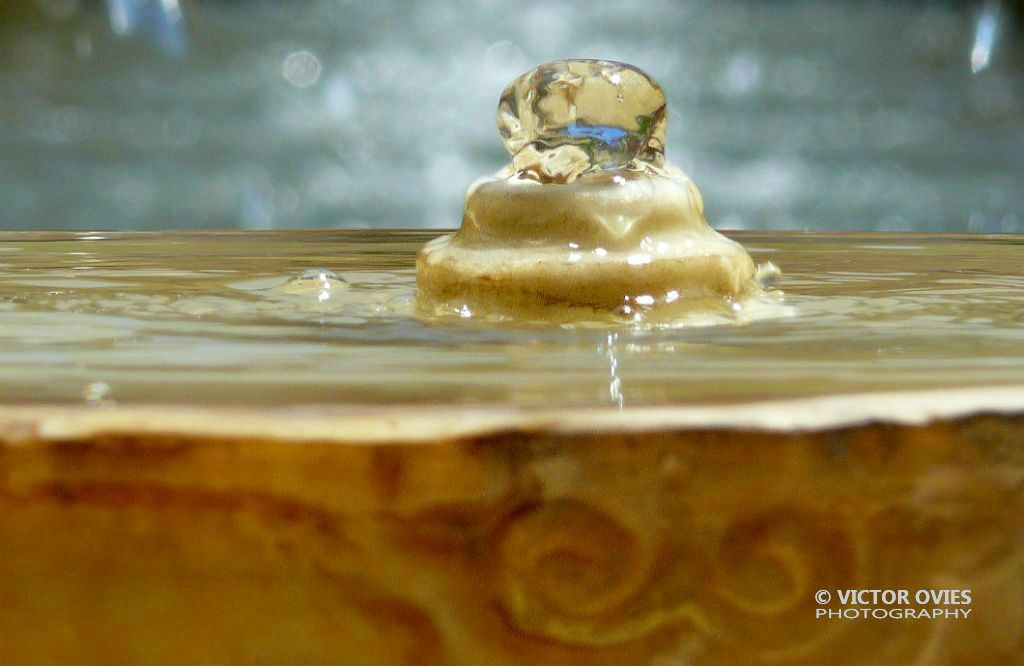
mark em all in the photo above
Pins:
pixel 204 458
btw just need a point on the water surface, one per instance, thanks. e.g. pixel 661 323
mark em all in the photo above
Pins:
pixel 217 318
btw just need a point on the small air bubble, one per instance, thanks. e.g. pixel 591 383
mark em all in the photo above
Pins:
pixel 402 302
pixel 627 314
pixel 302 69
pixel 318 281
pixel 96 393
pixel 768 274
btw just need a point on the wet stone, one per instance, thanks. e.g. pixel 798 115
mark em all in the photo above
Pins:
pixel 568 117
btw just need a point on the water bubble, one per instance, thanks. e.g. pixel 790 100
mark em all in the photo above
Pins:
pixel 302 69
pixel 96 393
pixel 768 274
pixel 567 117
pixel 503 59
pixel 321 282
pixel 742 75
pixel 340 98
pixel 402 301
pixel 627 314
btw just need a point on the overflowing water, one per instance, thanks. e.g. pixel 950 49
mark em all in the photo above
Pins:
pixel 329 317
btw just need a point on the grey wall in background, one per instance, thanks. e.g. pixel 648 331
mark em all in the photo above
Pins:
pixel 326 113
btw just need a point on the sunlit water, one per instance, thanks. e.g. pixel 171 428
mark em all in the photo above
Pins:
pixel 327 317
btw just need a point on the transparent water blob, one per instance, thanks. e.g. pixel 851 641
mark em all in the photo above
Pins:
pixel 319 281
pixel 565 118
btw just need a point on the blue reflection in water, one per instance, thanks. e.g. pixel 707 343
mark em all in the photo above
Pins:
pixel 604 133
pixel 160 21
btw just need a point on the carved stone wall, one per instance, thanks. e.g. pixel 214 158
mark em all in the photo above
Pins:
pixel 661 548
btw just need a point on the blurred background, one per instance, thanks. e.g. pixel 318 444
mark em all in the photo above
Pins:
pixel 820 114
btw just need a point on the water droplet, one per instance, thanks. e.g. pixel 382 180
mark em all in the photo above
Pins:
pixel 627 314
pixel 96 393
pixel 319 281
pixel 571 116
pixel 302 69
pixel 768 274
pixel 402 302
pixel 742 75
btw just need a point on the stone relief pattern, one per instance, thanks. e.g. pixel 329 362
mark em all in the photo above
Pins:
pixel 663 549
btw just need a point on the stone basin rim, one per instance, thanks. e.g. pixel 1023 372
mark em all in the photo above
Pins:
pixel 423 424
pixel 763 235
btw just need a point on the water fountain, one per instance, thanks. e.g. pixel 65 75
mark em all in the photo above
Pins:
pixel 588 222
pixel 264 446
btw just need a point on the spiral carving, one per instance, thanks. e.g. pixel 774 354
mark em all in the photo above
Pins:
pixel 761 594
pixel 570 571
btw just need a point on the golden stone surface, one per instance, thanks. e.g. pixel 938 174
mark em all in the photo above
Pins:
pixel 144 539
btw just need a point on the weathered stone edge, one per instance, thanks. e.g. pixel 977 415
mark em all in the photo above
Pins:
pixel 353 424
